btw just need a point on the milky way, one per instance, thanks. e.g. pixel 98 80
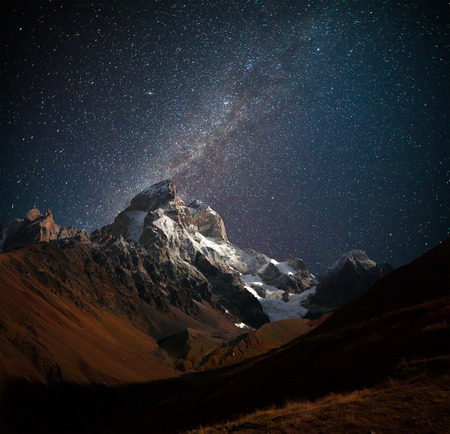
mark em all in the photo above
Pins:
pixel 312 127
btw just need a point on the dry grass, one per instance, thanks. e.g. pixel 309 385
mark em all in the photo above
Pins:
pixel 415 405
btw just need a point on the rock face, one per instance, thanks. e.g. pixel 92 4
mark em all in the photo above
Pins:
pixel 171 250
pixel 291 276
pixel 36 227
pixel 208 222
pixel 188 245
pixel 350 276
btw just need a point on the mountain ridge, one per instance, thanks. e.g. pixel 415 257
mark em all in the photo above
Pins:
pixel 158 228
pixel 151 297
pixel 162 267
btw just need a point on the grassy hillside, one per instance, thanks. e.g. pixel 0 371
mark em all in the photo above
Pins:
pixel 415 400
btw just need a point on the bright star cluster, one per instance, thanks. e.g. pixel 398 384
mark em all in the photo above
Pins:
pixel 312 127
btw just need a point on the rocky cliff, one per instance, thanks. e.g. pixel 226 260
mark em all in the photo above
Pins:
pixel 36 227
pixel 188 244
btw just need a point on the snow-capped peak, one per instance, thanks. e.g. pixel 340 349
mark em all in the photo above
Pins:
pixel 157 218
pixel 162 188
pixel 354 256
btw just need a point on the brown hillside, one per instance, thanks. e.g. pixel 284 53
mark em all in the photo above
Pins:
pixel 195 350
pixel 187 348
pixel 63 317
pixel 266 338
pixel 53 329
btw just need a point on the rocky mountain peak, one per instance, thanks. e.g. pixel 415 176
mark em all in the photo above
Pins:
pixel 35 227
pixel 349 277
pixel 184 249
pixel 208 222
pixel 192 242
pixel 152 204
pixel 358 259
pixel 151 208
pixel 159 195
pixel 33 215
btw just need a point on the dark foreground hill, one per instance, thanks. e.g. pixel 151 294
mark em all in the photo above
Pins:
pixel 415 399
pixel 401 321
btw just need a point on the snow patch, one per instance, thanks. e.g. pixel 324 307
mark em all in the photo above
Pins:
pixel 273 302
pixel 254 293
pixel 226 251
pixel 283 267
pixel 241 325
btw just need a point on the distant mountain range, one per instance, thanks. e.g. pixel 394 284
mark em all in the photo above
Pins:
pixel 161 292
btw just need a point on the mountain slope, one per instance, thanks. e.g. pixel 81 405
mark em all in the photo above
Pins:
pixel 194 350
pixel 332 360
pixel 424 279
pixel 54 330
pixel 266 338
pixel 65 317
pixel 415 401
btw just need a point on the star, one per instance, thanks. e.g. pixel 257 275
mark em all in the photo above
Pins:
pixel 312 129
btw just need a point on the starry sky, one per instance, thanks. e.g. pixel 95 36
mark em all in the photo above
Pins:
pixel 312 127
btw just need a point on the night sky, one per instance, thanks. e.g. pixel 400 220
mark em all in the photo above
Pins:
pixel 312 127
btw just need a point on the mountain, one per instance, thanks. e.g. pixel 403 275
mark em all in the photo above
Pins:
pixel 158 323
pixel 177 254
pixel 36 227
pixel 160 272
pixel 160 242
pixel 191 240
pixel 404 320
pixel 349 277
pixel 379 362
